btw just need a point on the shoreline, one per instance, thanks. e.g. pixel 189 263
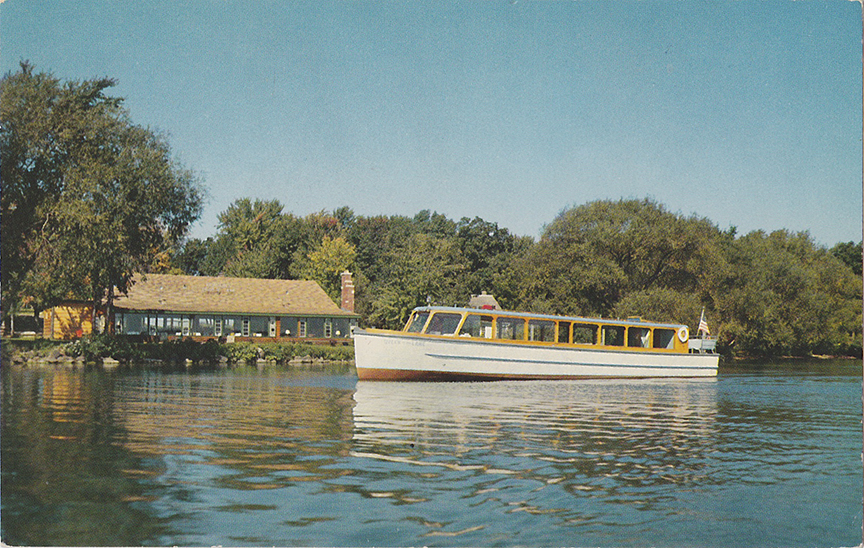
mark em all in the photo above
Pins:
pixel 179 354
pixel 110 354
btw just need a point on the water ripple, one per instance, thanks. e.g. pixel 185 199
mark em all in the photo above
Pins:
pixel 290 458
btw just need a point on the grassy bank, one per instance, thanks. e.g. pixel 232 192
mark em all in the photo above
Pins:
pixel 100 349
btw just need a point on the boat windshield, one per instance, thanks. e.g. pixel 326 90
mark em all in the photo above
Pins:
pixel 443 323
pixel 417 321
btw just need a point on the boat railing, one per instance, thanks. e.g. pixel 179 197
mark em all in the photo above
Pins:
pixel 702 346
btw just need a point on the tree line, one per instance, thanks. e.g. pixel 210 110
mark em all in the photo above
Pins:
pixel 89 198
pixel 764 294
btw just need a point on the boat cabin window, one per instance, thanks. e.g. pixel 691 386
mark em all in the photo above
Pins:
pixel 664 338
pixel 443 323
pixel 584 333
pixel 541 330
pixel 477 325
pixel 563 332
pixel 510 328
pixel 417 321
pixel 638 337
pixel 612 335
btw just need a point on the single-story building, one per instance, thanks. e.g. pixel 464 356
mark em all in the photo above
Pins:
pixel 164 305
pixel 69 320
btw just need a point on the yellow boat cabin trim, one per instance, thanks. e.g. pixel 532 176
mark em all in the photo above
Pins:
pixel 545 330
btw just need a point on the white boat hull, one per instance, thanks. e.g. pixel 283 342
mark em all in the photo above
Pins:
pixel 387 355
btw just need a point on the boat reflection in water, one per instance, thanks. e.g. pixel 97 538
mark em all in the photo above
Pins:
pixel 601 436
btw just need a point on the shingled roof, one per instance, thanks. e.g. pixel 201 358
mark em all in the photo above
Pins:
pixel 204 294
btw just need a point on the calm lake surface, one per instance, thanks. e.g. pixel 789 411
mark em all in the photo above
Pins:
pixel 766 455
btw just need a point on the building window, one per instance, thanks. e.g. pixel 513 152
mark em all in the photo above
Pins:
pixel 132 324
pixel 217 329
pixel 301 328
pixel 205 326
pixel 328 328
pixel 259 326
pixel 272 327
pixel 245 327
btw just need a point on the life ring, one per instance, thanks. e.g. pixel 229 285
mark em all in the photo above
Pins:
pixel 683 334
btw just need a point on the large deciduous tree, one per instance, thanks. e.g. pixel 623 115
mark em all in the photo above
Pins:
pixel 88 197
pixel 423 270
pixel 592 256
pixel 784 295
pixel 489 253
pixel 256 240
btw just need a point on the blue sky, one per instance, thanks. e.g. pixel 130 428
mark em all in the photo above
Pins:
pixel 748 113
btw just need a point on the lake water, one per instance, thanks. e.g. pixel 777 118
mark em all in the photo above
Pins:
pixel 766 455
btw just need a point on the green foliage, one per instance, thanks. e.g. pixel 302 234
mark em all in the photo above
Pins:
pixel 256 240
pixel 661 305
pixel 489 254
pixel 424 270
pixel 200 257
pixel 88 197
pixel 283 352
pixel 98 346
pixel 592 256
pixel 240 352
pixel 785 295
pixel 776 295
pixel 37 346
pixel 326 262
pixel 850 254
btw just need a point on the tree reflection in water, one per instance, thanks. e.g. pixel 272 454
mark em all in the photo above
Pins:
pixel 107 458
pixel 67 477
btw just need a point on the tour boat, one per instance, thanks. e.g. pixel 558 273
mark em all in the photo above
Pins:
pixel 449 343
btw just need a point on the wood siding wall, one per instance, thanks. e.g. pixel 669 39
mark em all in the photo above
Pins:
pixel 68 321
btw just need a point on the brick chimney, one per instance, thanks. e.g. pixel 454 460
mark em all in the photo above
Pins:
pixel 347 292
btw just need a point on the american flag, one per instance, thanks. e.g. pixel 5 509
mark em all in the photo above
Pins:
pixel 703 325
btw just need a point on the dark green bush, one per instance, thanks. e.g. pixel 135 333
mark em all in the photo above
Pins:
pixel 97 346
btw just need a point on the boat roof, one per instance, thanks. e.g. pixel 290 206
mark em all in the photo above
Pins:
pixel 607 321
